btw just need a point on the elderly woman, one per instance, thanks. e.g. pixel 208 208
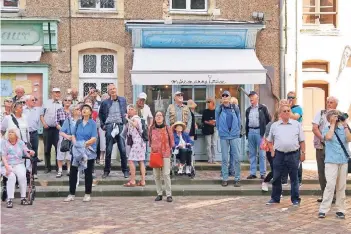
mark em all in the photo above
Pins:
pixel 13 149
pixel 102 137
pixel 183 144
pixel 62 115
pixel 135 146
pixel 161 140
pixel 84 153
pixel 336 163
pixel 66 133
pixel 89 101
pixel 192 105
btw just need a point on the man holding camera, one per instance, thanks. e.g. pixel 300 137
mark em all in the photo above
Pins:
pixel 336 137
pixel 319 123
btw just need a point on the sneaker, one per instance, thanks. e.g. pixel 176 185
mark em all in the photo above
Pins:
pixel 250 177
pixel 87 198
pixel 169 199
pixel 224 183
pixel 320 199
pixel 59 174
pixel 35 176
pixel 24 201
pixel 9 203
pixel 126 174
pixel 180 171
pixel 105 175
pixel 340 215
pixel 272 202
pixel 237 183
pixel 264 187
pixel 321 215
pixel 69 198
pixel 158 198
pixel 296 203
pixel 187 170
pixel 285 184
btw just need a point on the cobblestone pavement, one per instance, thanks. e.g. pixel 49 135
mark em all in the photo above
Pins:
pixel 184 215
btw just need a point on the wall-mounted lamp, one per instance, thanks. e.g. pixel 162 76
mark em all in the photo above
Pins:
pixel 258 16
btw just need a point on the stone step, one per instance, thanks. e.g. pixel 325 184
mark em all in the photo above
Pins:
pixel 177 190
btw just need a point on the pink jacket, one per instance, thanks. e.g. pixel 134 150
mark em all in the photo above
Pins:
pixel 159 135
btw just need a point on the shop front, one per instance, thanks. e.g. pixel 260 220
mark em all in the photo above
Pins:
pixel 201 59
pixel 22 43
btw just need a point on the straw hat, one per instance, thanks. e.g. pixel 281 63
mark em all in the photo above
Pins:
pixel 178 123
pixel 191 104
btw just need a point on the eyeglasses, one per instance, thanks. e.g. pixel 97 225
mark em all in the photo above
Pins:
pixel 9 101
pixel 286 111
pixel 208 102
pixel 291 97
pixel 34 100
pixel 20 102
pixel 225 95
pixel 179 95
pixel 67 100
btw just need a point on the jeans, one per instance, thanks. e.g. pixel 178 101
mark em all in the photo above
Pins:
pixel 270 174
pixel 34 141
pixel 286 162
pixel 51 138
pixel 109 146
pixel 254 139
pixel 299 174
pixel 234 145
pixel 88 174
pixel 211 146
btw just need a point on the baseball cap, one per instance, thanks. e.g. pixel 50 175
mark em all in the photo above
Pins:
pixel 252 93
pixel 56 90
pixel 142 96
pixel 178 92
pixel 226 92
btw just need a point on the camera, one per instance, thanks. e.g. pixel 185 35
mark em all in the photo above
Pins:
pixel 342 117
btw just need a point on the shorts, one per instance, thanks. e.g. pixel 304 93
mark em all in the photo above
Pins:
pixel 62 155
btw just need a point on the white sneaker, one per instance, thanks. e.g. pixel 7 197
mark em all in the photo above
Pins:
pixel 87 198
pixel 69 198
pixel 264 187
pixel 180 171
pixel 187 170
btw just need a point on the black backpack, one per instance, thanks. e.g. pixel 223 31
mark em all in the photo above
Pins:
pixel 144 135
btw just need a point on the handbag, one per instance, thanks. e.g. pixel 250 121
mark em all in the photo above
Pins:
pixel 345 151
pixel 156 159
pixel 264 145
pixel 129 140
pixel 65 143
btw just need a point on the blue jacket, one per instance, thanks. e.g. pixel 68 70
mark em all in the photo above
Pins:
pixel 105 108
pixel 185 136
pixel 221 123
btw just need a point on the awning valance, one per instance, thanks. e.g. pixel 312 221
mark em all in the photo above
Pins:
pixel 196 67
pixel 21 53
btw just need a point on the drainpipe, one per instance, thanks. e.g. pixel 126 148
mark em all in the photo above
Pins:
pixel 282 47
pixel 297 60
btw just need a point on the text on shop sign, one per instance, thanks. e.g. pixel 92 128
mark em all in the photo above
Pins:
pixel 19 37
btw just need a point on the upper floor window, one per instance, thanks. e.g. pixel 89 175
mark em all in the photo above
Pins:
pixel 188 5
pixel 319 12
pixel 101 5
pixel 97 65
pixel 9 4
pixel 315 66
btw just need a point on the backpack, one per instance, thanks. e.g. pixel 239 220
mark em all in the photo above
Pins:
pixel 232 106
pixel 144 135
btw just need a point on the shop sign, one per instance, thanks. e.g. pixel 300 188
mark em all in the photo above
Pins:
pixel 209 81
pixel 194 39
pixel 19 35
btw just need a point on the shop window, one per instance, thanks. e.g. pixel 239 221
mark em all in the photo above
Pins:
pixel 188 5
pixel 319 12
pixel 100 5
pixel 233 89
pixel 9 4
pixel 315 66
pixel 198 94
pixel 97 71
pixel 158 97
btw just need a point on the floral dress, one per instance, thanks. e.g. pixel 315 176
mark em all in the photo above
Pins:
pixel 136 152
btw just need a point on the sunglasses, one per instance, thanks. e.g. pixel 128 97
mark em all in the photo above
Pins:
pixel 208 102
pixel 67 100
pixel 34 100
pixel 20 102
pixel 179 95
pixel 291 97
pixel 225 95
pixel 286 111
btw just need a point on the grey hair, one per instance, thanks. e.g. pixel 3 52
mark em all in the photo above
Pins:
pixel 131 106
pixel 331 113
pixel 13 129
pixel 72 107
pixel 333 98
pixel 19 87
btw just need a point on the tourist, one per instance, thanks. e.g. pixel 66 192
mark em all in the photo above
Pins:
pixel 179 112
pixel 209 130
pixel 192 105
pixel 19 90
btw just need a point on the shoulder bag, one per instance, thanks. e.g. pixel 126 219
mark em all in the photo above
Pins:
pixel 65 143
pixel 28 144
pixel 345 151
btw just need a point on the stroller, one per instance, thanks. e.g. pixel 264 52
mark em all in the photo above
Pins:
pixel 31 190
pixel 175 162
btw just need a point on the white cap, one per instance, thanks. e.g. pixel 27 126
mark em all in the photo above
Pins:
pixel 142 96
pixel 178 92
pixel 56 90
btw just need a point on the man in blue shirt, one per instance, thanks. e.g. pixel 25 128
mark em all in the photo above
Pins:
pixel 228 123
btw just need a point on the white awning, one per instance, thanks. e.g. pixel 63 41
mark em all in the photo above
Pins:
pixel 196 67
pixel 21 53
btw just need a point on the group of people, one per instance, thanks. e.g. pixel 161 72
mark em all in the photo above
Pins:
pixel 91 126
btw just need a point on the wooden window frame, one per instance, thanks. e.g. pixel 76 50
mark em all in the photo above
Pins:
pixel 188 7
pixel 317 13
pixel 97 8
pixel 316 63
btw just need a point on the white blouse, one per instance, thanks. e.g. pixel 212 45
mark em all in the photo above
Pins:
pixel 23 125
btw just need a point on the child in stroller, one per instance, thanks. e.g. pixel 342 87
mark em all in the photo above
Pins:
pixel 182 150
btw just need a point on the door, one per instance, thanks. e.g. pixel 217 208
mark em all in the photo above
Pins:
pixel 86 84
pixel 313 101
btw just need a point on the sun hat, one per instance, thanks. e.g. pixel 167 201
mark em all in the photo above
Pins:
pixel 178 123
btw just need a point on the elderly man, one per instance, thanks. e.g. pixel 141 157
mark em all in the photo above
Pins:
pixel 112 118
pixel 7 108
pixel 32 114
pixel 296 114
pixel 257 117
pixel 51 133
pixel 19 90
pixel 179 112
pixel 319 123
pixel 228 122
pixel 287 141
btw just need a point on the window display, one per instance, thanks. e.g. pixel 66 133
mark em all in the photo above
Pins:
pixel 233 89
pixel 158 97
